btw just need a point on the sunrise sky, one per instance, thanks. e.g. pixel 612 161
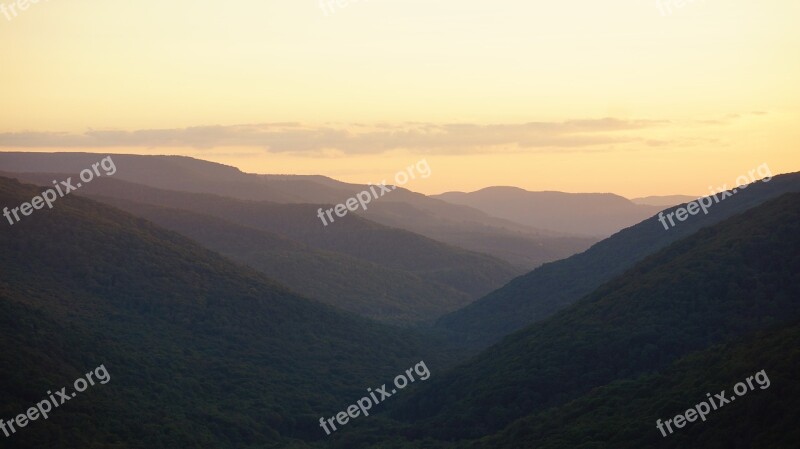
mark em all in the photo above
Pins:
pixel 546 95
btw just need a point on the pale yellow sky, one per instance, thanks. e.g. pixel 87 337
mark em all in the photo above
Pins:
pixel 568 95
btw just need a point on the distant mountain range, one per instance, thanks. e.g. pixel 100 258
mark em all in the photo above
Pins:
pixel 598 214
pixel 663 201
pixel 546 290
pixel 465 227
pixel 229 317
pixel 364 267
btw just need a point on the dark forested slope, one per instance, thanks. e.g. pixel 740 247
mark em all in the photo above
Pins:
pixel 553 286
pixel 723 282
pixel 201 352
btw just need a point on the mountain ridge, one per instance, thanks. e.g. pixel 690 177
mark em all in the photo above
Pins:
pixel 456 225
pixel 542 292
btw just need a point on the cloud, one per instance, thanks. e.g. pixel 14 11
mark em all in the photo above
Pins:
pixel 454 138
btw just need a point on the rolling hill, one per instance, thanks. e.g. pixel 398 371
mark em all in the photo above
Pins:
pixel 461 226
pixel 595 214
pixel 544 291
pixel 663 201
pixel 724 282
pixel 352 284
pixel 623 414
pixel 416 269
pixel 201 352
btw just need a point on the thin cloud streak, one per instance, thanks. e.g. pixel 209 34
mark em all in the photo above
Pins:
pixel 295 138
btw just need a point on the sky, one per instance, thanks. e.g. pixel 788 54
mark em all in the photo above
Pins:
pixel 635 97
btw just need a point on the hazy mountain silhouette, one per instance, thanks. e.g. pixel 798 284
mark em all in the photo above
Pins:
pixel 596 214
pixel 461 226
pixel 356 285
pixel 547 289
pixel 720 284
pixel 663 201
pixel 204 352
pixel 374 270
